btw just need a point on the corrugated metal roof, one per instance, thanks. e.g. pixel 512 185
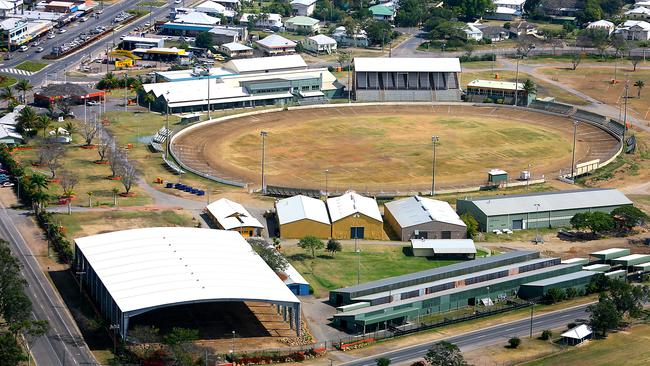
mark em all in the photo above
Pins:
pixel 576 261
pixel 322 39
pixel 550 201
pixel 610 251
pixel 301 207
pixel 406 64
pixel 196 17
pixel 418 210
pixel 352 203
pixel 276 41
pixel 579 332
pixel 232 215
pixel 293 277
pixel 597 267
pixel 234 46
pixel 151 267
pixel 562 278
pixel 445 246
pixel 520 254
pixel 266 63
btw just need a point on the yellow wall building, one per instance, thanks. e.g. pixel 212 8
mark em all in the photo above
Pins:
pixel 300 216
pixel 357 216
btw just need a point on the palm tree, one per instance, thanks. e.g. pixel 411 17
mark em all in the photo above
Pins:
pixel 43 122
pixel 7 94
pixel 529 87
pixel 38 182
pixel 40 201
pixel 639 85
pixel 149 98
pixel 27 118
pixel 24 86
pixel 70 127
pixel 90 198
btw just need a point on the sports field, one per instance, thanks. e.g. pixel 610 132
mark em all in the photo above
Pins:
pixel 387 147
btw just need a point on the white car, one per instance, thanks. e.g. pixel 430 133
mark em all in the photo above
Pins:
pixel 93 102
pixel 178 1
pixel 507 231
pixel 7 184
pixel 62 30
pixel 23 48
pixel 497 232
pixel 51 35
pixel 83 19
pixel 40 49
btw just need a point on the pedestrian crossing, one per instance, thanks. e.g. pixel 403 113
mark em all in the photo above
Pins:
pixel 9 70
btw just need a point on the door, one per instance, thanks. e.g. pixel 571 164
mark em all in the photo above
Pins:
pixel 517 224
pixel 446 235
pixel 356 232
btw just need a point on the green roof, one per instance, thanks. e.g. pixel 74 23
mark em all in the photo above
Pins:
pixel 304 21
pixel 382 10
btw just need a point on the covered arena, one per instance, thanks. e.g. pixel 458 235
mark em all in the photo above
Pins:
pixel 196 278
pixel 386 147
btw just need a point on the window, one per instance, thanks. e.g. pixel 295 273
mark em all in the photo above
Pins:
pixel 446 235
pixel 356 232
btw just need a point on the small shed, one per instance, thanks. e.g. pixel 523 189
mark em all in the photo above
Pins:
pixel 497 176
pixel 611 253
pixel 582 261
pixel 644 267
pixel 295 282
pixel 597 267
pixel 621 274
pixel 577 335
pixel 631 260
pixel 443 248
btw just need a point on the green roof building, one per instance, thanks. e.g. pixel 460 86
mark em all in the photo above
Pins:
pixel 383 12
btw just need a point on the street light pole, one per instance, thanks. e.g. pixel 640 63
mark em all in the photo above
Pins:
pixel 537 239
pixel 126 91
pixel 517 83
pixel 434 141
pixel 326 182
pixel 573 156
pixel 627 88
pixel 532 309
pixel 356 248
pixel 263 134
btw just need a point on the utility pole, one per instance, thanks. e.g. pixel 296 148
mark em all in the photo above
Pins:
pixel 263 134
pixel 573 155
pixel 126 91
pixel 326 192
pixel 434 140
pixel 532 309
pixel 517 82
pixel 208 77
pixel 627 89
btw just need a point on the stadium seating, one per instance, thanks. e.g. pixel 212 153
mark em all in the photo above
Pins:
pixel 552 107
pixel 289 192
pixel 584 115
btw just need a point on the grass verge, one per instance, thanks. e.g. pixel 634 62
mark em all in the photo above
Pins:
pixel 31 66
pixel 6 80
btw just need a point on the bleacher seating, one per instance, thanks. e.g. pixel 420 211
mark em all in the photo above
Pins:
pixel 289 192
pixel 552 107
pixel 582 114
pixel 159 138
pixel 171 165
pixel 313 101
pixel 616 127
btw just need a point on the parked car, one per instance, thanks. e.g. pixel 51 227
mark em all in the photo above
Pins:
pixel 51 35
pixel 40 49
pixel 62 30
pixel 93 102
pixel 7 184
pixel 23 48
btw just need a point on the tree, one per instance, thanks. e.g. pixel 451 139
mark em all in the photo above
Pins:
pixel 37 182
pixel 311 243
pixel 444 354
pixel 470 223
pixel 129 176
pixel 23 86
pixel 599 222
pixel 180 342
pixel 529 87
pixel 104 145
pixel 333 246
pixel 411 13
pixel 579 220
pixel 51 153
pixel 7 94
pixel 269 254
pixel 68 180
pixel 149 98
pixel 554 295
pixel 115 191
pixel 593 37
pixel 116 160
pixel 470 10
pixel 43 122
pixel 532 6
pixel 26 119
pixel 628 298
pixel 204 40
pixel 635 61
pixel 571 293
pixel 383 361
pixel 65 106
pixel 88 130
pixel 639 85
pixel 547 334
pixel 90 198
pixel 603 315
pixel 514 342
pixel 379 32
pixel 40 201
pixel 591 12
pixel 627 217
pixel 576 59
pixel 10 352
pixel 108 81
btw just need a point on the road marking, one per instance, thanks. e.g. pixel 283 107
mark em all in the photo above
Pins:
pixel 11 70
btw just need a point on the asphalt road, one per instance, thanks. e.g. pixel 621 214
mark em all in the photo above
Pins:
pixel 482 337
pixel 63 343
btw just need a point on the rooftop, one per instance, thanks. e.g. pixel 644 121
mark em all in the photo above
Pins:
pixel 234 46
pixel 352 203
pixel 562 278
pixel 276 41
pixel 258 64
pixel 301 207
pixel 406 64
pixel 579 332
pixel 68 89
pixel 232 215
pixel 196 17
pixel 322 39
pixel 152 267
pixel 302 20
pixel 382 10
pixel 610 251
pixel 419 210
pixel 495 84
pixel 445 246
pixel 550 201
pixel 303 2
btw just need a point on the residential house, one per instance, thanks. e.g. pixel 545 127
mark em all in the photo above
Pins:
pixel 320 43
pixel 383 12
pixel 236 50
pixel 634 30
pixel 602 24
pixel 495 33
pixel 506 10
pixel 214 9
pixel 227 34
pixel 639 13
pixel 302 25
pixel 472 32
pixel 358 39
pixel 276 45
pixel 522 28
pixel 264 20
pixel 562 9
pixel 303 7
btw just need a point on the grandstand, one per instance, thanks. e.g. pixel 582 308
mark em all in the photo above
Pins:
pixel 552 107
pixel 159 138
pixel 585 115
pixel 290 192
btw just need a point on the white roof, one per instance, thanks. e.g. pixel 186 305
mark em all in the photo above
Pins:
pixel 419 210
pixel 153 267
pixel 497 172
pixel 608 251
pixel 9 131
pixel 210 7
pixel 271 17
pixel 445 246
pixel 579 332
pixel 635 23
pixel 471 28
pixel 632 257
pixel 509 2
pixel 600 24
pixel 505 10
pixel 6 5
pixel 303 2
pixel 301 207
pixel 638 10
pixel 141 39
pixel 266 63
pixel 293 276
pixel 352 203
pixel 276 41
pixel 494 84
pixel 10 118
pixel 196 17
pixel 323 39
pixel 574 260
pixel 232 215
pixel 234 46
pixel 404 64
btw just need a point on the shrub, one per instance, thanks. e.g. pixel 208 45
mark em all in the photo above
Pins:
pixel 514 342
pixel 546 335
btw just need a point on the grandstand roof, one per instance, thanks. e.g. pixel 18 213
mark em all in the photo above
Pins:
pixel 445 246
pixel 418 210
pixel 352 203
pixel 406 64
pixel 154 267
pixel 266 64
pixel 550 201
pixel 301 207
pixel 232 215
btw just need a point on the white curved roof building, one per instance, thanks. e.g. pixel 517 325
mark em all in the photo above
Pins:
pixel 131 272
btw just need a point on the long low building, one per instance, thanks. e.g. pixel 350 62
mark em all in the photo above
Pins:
pixel 444 248
pixel 258 82
pixel 380 79
pixel 539 210
pixel 129 273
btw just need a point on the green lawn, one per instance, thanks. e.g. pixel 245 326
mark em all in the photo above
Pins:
pixel 378 261
pixel 624 348
pixel 6 80
pixel 31 66
pixel 155 4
